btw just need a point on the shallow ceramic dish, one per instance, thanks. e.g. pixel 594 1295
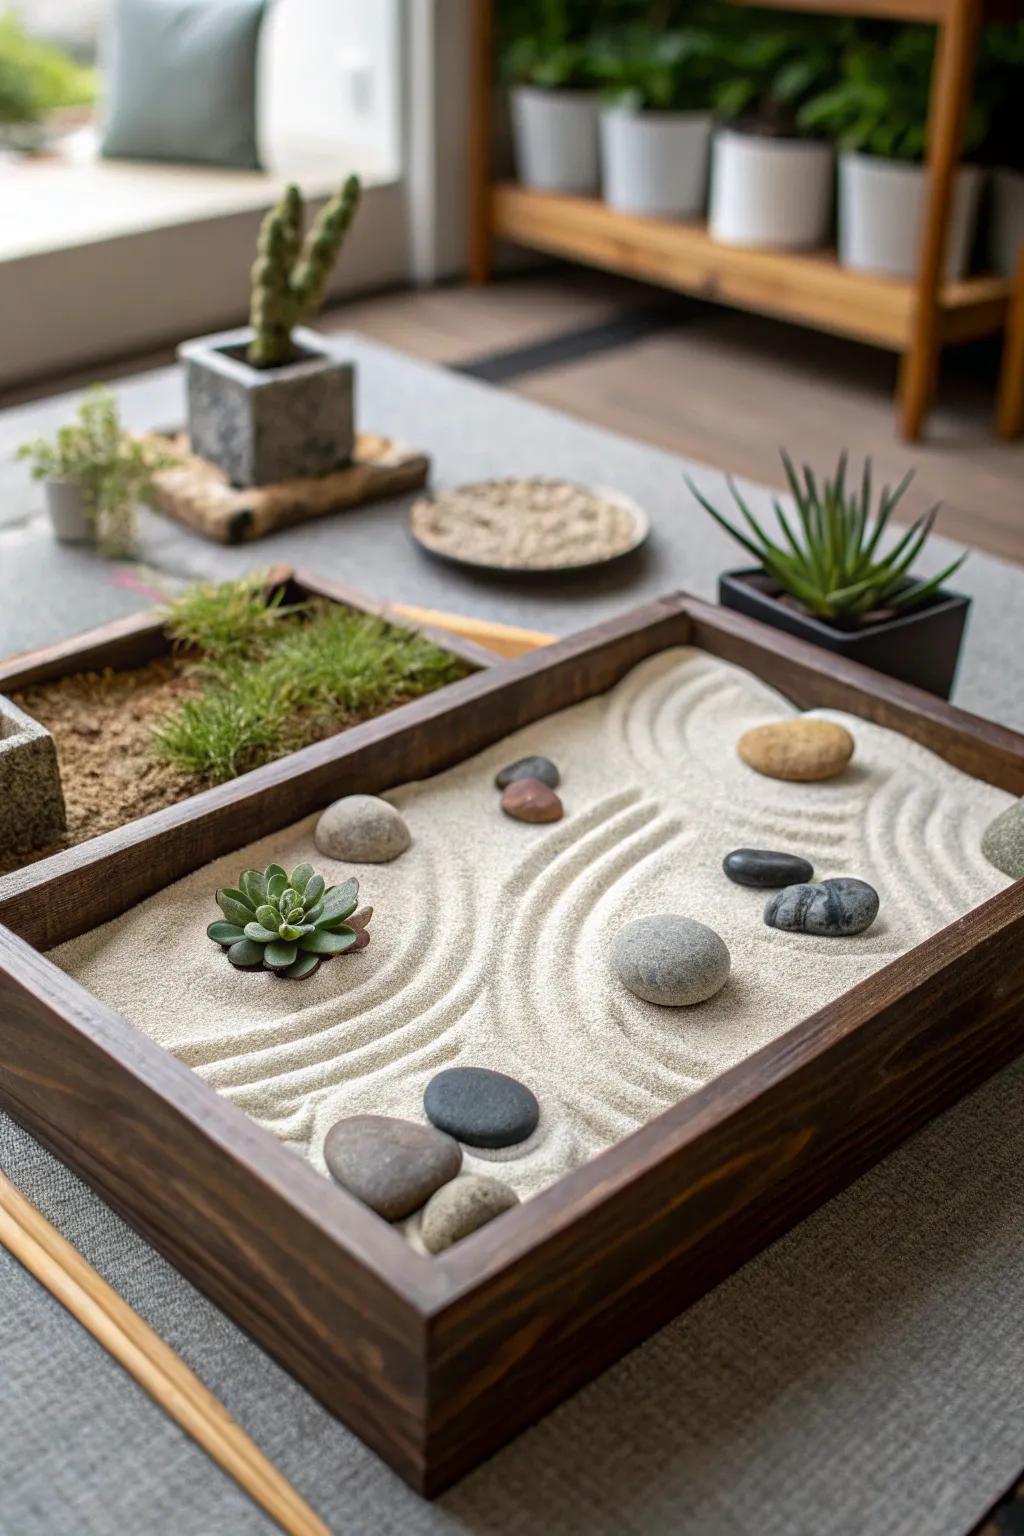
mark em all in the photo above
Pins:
pixel 639 533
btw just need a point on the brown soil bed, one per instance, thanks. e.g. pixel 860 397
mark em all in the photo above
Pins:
pixel 102 723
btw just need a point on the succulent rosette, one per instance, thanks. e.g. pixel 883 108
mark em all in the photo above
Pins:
pixel 288 923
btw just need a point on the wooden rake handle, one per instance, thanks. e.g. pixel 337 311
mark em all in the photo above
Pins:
pixel 152 1363
pixel 504 639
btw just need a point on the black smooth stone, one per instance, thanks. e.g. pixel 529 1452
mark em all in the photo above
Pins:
pixel 764 869
pixel 481 1107
pixel 529 768
pixel 834 908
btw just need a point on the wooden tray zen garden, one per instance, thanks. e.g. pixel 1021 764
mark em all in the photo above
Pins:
pixel 435 1361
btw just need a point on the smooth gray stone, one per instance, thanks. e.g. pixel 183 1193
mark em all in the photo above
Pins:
pixel 529 768
pixel 1002 842
pixel 765 869
pixel 393 1166
pixel 481 1107
pixel 833 908
pixel 671 960
pixel 362 829
pixel 459 1208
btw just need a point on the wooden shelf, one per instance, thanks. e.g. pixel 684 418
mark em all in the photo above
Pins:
pixel 933 11
pixel 809 287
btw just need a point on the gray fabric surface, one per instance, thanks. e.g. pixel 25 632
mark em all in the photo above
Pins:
pixel 862 1378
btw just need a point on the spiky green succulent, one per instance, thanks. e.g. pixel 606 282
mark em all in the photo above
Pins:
pixel 288 923
pixel 832 563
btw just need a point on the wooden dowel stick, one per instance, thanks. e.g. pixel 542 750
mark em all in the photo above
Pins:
pixel 505 639
pixel 60 1268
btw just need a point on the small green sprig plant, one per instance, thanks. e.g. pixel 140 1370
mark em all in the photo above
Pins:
pixel 288 923
pixel 831 563
pixel 290 272
pixel 114 468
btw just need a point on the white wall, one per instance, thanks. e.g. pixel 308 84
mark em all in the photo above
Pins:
pixel 330 85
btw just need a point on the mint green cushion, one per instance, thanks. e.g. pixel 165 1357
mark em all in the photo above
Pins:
pixel 180 78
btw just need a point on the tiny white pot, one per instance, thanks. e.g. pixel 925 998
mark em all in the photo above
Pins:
pixel 655 162
pixel 881 212
pixel 65 502
pixel 1006 222
pixel 769 192
pixel 555 139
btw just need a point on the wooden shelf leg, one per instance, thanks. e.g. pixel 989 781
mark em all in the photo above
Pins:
pixel 1010 409
pixel 947 111
pixel 480 125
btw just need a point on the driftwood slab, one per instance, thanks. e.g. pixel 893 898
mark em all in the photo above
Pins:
pixel 197 494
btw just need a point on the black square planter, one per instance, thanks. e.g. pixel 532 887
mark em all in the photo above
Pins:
pixel 920 647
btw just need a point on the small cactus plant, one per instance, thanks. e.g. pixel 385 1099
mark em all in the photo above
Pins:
pixel 290 273
pixel 288 923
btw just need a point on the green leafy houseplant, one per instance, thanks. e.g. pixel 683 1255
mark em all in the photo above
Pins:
pixel 35 78
pixel 769 69
pixel 831 563
pixel 546 43
pixel 288 923
pixel 644 70
pixel 113 468
pixel 879 104
pixel 291 270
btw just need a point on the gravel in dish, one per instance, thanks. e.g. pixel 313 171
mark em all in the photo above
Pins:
pixel 531 524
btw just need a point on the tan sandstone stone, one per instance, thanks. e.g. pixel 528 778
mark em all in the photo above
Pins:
pixel 802 750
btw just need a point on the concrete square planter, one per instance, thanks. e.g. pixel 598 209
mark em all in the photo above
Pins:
pixel 262 425
pixel 31 799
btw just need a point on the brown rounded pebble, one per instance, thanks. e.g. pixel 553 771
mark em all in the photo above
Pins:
pixel 393 1166
pixel 801 750
pixel 468 1202
pixel 530 800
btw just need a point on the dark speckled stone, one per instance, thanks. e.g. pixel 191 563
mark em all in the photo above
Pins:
pixel 766 870
pixel 481 1107
pixel 834 908
pixel 529 768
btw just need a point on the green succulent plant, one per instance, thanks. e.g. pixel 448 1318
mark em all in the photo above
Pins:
pixel 288 923
pixel 832 565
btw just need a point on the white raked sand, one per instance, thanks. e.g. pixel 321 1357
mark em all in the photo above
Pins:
pixel 490 938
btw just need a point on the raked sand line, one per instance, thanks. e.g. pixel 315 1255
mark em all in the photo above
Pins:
pixel 490 938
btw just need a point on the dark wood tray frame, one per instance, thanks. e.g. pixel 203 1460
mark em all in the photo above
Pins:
pixel 436 1362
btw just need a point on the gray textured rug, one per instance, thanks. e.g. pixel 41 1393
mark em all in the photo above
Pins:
pixel 862 1378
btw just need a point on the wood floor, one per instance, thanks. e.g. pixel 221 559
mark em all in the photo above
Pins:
pixel 719 386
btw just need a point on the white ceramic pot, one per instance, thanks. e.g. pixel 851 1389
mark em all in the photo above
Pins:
pixel 881 208
pixel 770 192
pixel 555 139
pixel 71 521
pixel 655 162
pixel 1006 221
